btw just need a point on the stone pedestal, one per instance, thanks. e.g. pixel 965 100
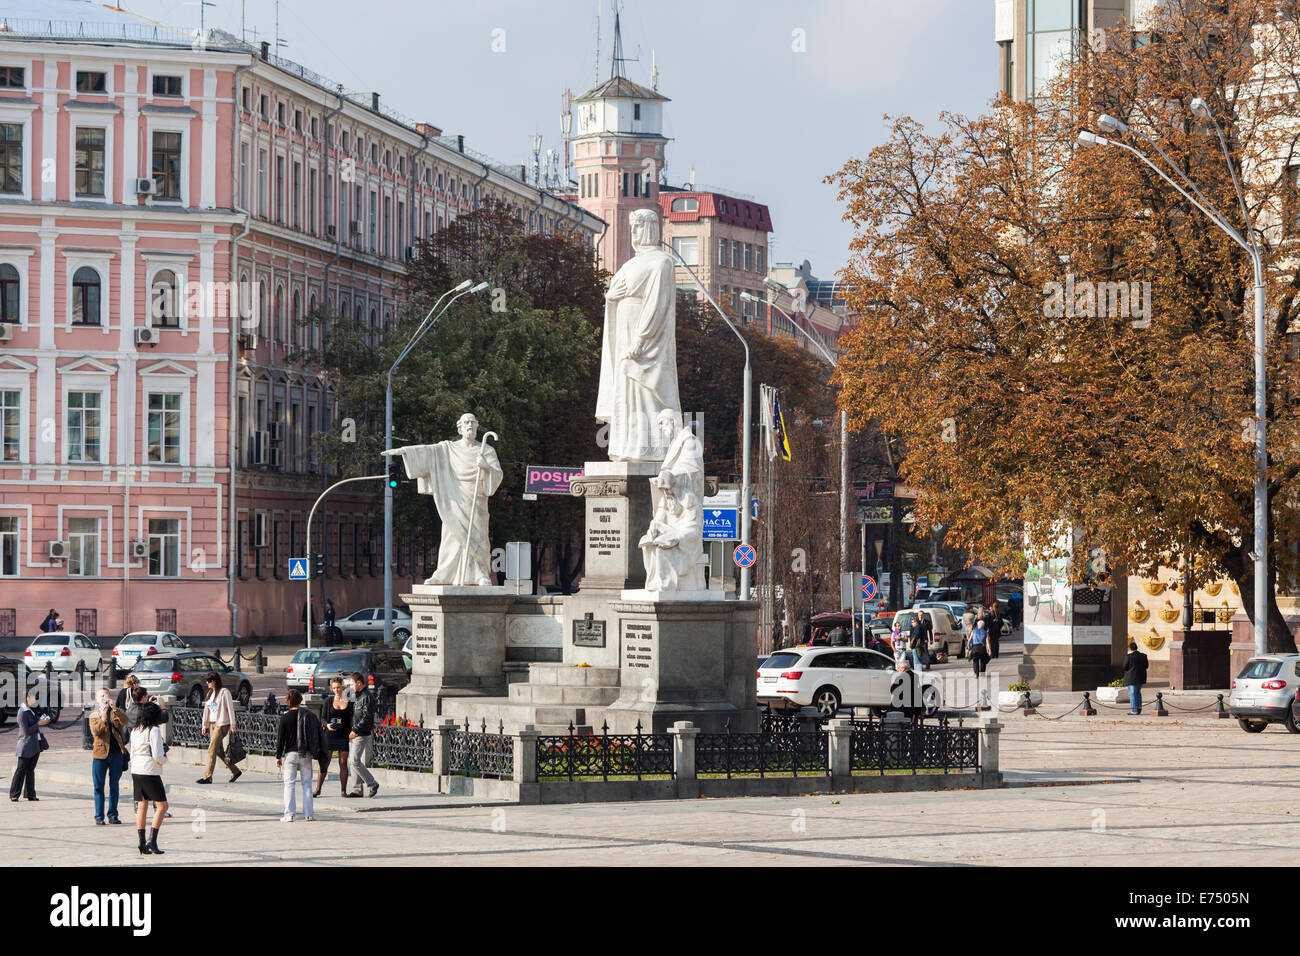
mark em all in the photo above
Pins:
pixel 685 660
pixel 460 645
pixel 1075 652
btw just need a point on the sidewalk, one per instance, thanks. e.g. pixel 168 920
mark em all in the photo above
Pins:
pixel 67 772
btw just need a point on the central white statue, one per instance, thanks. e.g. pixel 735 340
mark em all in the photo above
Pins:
pixel 461 475
pixel 673 546
pixel 638 361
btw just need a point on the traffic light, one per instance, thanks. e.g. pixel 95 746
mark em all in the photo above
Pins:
pixel 394 475
pixel 318 565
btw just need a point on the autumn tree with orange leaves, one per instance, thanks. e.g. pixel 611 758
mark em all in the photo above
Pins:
pixel 1017 414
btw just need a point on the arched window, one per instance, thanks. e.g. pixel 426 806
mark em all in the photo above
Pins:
pixel 374 325
pixel 164 306
pixel 279 314
pixel 263 309
pixel 8 293
pixel 686 204
pixel 85 296
pixel 297 318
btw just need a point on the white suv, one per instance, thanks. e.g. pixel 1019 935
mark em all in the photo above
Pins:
pixel 62 650
pixel 833 677
pixel 1262 693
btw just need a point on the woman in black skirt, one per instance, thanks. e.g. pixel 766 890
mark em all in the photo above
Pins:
pixel 148 755
pixel 336 721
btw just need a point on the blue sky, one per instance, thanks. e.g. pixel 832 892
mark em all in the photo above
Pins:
pixel 748 112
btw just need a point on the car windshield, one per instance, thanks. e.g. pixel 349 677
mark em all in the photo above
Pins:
pixel 139 639
pixel 52 639
pixel 904 620
pixel 781 660
pixel 307 656
pixel 149 664
pixel 345 661
pixel 1260 669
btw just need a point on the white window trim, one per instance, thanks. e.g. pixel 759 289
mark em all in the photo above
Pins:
pixel 179 265
pixel 164 385
pixel 72 261
pixel 92 119
pixel 105 549
pixel 94 67
pixel 181 555
pixel 88 382
pixel 167 124
pixel 21 113
pixel 21 383
pixel 19 512
pixel 183 72
pixel 144 512
pixel 18 259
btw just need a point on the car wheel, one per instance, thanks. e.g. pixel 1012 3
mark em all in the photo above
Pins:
pixel 400 635
pixel 1252 726
pixel 932 700
pixel 196 696
pixel 827 701
pixel 1291 723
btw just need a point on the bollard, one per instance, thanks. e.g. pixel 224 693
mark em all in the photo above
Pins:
pixel 112 675
pixel 1088 709
pixel 1160 705
pixel 239 668
pixel 261 660
pixel 1221 713
pixel 1027 708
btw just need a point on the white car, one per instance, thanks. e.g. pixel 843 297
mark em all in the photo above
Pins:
pixel 829 678
pixel 62 650
pixel 140 644
pixel 1262 693
pixel 298 672
pixel 367 624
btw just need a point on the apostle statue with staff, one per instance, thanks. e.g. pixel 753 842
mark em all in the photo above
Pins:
pixel 461 475
pixel 638 361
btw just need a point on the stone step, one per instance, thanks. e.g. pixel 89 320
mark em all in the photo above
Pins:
pixel 577 695
pixel 513 714
pixel 547 673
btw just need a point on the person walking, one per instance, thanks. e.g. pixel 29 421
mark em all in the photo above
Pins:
pixel 1135 675
pixel 298 742
pixel 977 649
pixel 905 690
pixel 148 754
pixel 968 621
pixel 30 744
pixel 219 720
pixel 993 625
pixel 108 756
pixel 359 737
pixel 918 640
pixel 337 717
pixel 51 622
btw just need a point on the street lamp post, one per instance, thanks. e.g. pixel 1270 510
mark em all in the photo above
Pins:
pixel 844 423
pixel 746 510
pixel 425 324
pixel 1202 110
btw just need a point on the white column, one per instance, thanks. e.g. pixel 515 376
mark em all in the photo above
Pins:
pixel 204 398
pixel 49 129
pixel 130 135
pixel 46 426
pixel 126 308
pixel 45 301
pixel 206 319
pixel 128 414
pixel 208 172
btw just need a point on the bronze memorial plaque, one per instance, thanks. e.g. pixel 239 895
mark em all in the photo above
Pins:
pixel 588 633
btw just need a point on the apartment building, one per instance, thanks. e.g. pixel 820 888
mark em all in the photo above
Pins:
pixel 171 208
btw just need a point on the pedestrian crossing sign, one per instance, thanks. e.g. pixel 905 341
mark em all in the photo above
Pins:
pixel 297 569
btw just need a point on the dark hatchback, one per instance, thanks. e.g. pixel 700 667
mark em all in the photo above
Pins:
pixel 386 671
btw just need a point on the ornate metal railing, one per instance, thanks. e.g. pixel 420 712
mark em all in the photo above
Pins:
pixel 481 754
pixel 403 748
pixel 256 730
pixel 780 753
pixel 917 745
pixel 605 755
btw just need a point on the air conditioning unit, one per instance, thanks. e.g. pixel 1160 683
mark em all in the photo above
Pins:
pixel 354 227
pixel 145 187
pixel 261 530
pixel 6 331
pixel 139 550
pixel 248 340
pixel 261 448
pixel 59 550
pixel 275 456
pixel 147 335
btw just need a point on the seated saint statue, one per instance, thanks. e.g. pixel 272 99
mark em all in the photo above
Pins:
pixel 673 546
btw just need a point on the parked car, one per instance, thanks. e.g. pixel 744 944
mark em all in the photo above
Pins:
pixel 1264 693
pixel 367 624
pixel 182 676
pixel 62 650
pixel 830 678
pixel 139 644
pixel 955 608
pixel 946 638
pixel 386 671
pixel 298 672
pixel 13 684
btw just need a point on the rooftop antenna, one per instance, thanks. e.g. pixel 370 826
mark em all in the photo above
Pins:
pixel 278 42
pixel 654 72
pixel 202 5
pixel 616 57
pixel 595 79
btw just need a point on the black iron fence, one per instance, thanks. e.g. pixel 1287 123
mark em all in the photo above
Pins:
pixel 604 755
pixel 481 754
pixel 918 745
pixel 403 748
pixel 776 753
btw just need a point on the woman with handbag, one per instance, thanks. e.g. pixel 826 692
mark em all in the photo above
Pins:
pixel 219 715
pixel 148 754
pixel 337 717
pixel 31 743
pixel 107 729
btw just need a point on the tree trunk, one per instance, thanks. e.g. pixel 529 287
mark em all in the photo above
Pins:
pixel 1280 639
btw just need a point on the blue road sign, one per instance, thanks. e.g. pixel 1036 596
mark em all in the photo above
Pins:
pixel 753 508
pixel 744 555
pixel 721 524
pixel 868 588
pixel 297 569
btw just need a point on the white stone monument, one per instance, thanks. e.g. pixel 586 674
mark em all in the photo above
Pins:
pixel 638 361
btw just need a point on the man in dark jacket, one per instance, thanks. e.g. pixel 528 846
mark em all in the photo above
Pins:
pixel 994 624
pixel 918 638
pixel 1135 675
pixel 359 740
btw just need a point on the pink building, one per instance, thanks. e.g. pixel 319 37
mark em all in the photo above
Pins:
pixel 169 211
